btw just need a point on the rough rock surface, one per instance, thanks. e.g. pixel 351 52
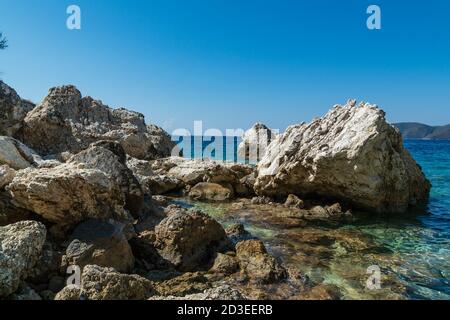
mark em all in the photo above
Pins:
pixel 255 142
pixel 68 194
pixel 13 110
pixel 20 248
pixel 352 155
pixel 193 171
pixel 17 155
pixel 110 158
pixel 223 292
pixel 66 121
pixel 210 191
pixel 257 263
pixel 6 175
pixel 107 284
pixel 99 243
pixel 189 239
pixel 225 264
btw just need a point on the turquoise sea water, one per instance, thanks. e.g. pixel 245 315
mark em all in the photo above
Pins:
pixel 412 250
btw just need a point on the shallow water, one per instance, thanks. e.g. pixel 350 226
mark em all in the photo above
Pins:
pixel 412 251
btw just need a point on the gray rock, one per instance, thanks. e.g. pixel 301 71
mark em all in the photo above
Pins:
pixel 17 155
pixel 20 248
pixel 255 142
pixel 13 110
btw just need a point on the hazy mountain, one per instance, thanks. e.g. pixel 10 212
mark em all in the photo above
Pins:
pixel 413 130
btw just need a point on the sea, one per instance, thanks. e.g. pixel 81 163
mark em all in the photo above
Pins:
pixel 411 251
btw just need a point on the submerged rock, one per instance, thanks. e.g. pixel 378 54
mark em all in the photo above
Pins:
pixel 257 263
pixel 189 239
pixel 13 110
pixel 20 248
pixel 66 121
pixel 352 154
pixel 255 142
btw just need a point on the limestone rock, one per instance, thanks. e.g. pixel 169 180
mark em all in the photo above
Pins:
pixel 68 194
pixel 237 233
pixel 189 239
pixel 294 202
pixel 20 248
pixel 225 264
pixel 6 175
pixel 101 243
pixel 13 110
pixel 352 155
pixel 257 263
pixel 109 157
pixel 223 292
pixel 66 121
pixel 17 155
pixel 210 191
pixel 108 284
pixel 255 142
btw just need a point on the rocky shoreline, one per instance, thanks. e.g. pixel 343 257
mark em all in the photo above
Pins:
pixel 85 185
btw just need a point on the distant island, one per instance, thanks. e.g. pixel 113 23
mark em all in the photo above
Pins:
pixel 414 130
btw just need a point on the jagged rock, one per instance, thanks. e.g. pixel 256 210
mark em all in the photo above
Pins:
pixel 352 155
pixel 6 175
pixel 107 284
pixel 237 233
pixel 225 264
pixel 223 292
pixel 210 191
pixel 17 155
pixel 69 293
pixel 66 121
pixel 99 243
pixel 294 202
pixel 193 171
pixel 261 200
pixel 187 283
pixel 257 263
pixel 162 144
pixel 109 157
pixel 68 194
pixel 161 184
pixel 189 239
pixel 13 110
pixel 20 248
pixel 255 142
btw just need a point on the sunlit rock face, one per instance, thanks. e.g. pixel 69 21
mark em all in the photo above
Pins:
pixel 351 154
pixel 255 142
pixel 66 121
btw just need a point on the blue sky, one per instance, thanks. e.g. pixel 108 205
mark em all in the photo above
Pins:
pixel 231 63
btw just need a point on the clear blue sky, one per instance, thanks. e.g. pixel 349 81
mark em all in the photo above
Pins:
pixel 231 63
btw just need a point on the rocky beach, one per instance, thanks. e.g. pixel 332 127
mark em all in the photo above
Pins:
pixel 98 191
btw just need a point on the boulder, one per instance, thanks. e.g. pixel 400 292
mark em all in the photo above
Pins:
pixel 257 263
pixel 66 121
pixel 255 142
pixel 107 284
pixel 13 110
pixel 293 201
pixel 109 157
pixel 223 292
pixel 237 233
pixel 351 155
pixel 225 264
pixel 6 175
pixel 68 194
pixel 189 239
pixel 210 191
pixel 101 243
pixel 181 285
pixel 20 248
pixel 17 155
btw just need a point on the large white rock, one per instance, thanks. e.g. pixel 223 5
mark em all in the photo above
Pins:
pixel 255 142
pixel 17 155
pixel 352 155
